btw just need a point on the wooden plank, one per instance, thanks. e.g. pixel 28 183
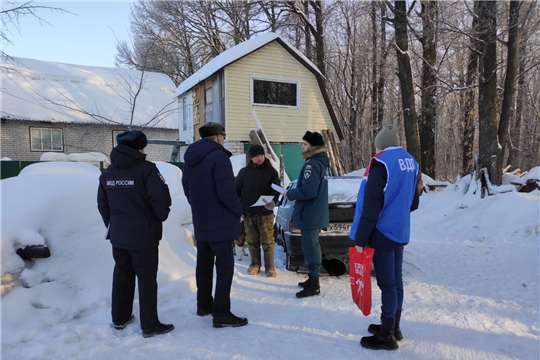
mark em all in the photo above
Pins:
pixel 281 171
pixel 339 163
pixel 332 163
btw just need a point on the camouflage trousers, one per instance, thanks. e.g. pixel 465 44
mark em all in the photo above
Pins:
pixel 260 231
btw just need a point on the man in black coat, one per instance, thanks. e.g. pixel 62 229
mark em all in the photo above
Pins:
pixel 134 201
pixel 208 182
pixel 252 181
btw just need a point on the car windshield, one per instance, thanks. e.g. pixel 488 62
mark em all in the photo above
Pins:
pixel 343 189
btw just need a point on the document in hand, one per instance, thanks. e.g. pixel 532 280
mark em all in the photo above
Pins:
pixel 263 200
pixel 279 189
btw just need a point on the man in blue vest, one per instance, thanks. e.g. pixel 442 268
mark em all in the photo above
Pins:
pixel 311 207
pixel 209 185
pixel 382 220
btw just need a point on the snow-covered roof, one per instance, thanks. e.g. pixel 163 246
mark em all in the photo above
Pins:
pixel 236 53
pixel 49 91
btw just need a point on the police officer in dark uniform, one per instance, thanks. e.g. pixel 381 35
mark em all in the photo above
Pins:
pixel 133 201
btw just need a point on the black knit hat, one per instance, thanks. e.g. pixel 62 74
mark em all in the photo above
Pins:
pixel 134 139
pixel 256 150
pixel 211 129
pixel 314 138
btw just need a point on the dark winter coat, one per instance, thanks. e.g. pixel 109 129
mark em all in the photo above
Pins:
pixel 133 200
pixel 311 191
pixel 253 181
pixel 209 185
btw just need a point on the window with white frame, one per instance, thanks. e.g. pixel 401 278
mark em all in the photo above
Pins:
pixel 46 139
pixel 275 92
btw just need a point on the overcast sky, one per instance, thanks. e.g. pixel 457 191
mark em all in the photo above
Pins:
pixel 85 36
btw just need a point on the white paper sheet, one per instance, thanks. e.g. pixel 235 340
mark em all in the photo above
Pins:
pixel 263 200
pixel 278 188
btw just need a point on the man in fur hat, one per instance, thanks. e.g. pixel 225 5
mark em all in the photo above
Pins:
pixel 209 185
pixel 311 207
pixel 134 201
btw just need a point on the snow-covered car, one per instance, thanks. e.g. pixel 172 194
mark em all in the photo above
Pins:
pixel 334 239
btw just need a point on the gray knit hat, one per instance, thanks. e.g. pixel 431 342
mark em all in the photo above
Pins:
pixel 387 137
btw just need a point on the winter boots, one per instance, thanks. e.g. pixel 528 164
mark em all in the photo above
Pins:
pixel 158 330
pixel 303 284
pixel 384 339
pixel 312 287
pixel 229 320
pixel 255 265
pixel 269 268
pixel 375 328
pixel 123 325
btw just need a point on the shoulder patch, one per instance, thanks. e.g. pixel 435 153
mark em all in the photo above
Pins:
pixel 307 172
pixel 161 177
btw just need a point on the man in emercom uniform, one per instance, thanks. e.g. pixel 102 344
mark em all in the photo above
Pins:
pixel 252 181
pixel 311 207
pixel 209 185
pixel 134 201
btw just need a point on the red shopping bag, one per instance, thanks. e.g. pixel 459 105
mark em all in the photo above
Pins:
pixel 360 275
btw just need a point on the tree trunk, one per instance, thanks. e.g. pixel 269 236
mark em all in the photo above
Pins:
pixel 379 53
pixel 318 34
pixel 428 112
pixel 468 120
pixel 514 150
pixel 487 88
pixel 406 81
pixel 510 80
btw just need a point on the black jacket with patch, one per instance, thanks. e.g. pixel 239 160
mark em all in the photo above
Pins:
pixel 133 200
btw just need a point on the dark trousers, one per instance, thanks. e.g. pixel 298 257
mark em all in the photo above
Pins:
pixel 388 263
pixel 129 264
pixel 312 250
pixel 222 253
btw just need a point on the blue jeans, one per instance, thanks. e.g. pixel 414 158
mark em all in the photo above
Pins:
pixel 388 263
pixel 222 253
pixel 312 250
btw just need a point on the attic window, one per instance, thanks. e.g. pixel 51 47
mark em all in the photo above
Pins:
pixel 273 92
pixel 46 139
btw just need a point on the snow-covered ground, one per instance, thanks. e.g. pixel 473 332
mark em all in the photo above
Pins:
pixel 471 276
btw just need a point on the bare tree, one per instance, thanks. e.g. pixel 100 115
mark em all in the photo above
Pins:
pixel 11 14
pixel 401 45
pixel 486 11
pixel 428 110
pixel 510 79
pixel 379 55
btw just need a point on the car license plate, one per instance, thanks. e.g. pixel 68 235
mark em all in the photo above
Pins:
pixel 339 227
